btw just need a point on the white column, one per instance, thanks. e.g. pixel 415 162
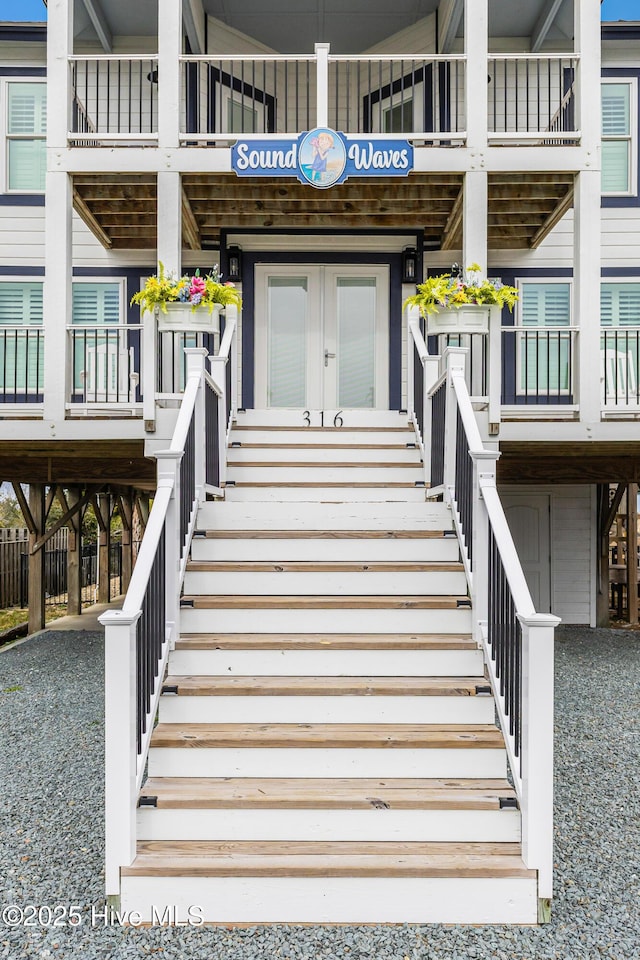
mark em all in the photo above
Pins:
pixel 58 211
pixel 195 367
pixel 120 744
pixel 170 221
pixel 455 359
pixel 476 46
pixel 484 471
pixel 322 84
pixel 168 466
pixel 587 192
pixel 57 292
pixel 169 50
pixel 537 747
pixel 474 220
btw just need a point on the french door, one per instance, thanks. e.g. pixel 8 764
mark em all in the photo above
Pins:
pixel 322 336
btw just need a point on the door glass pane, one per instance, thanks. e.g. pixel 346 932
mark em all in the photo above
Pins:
pixel 287 311
pixel 356 322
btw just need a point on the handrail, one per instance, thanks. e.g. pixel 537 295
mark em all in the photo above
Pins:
pixel 517 642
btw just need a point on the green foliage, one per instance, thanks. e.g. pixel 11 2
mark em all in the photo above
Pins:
pixel 10 512
pixel 198 291
pixel 450 291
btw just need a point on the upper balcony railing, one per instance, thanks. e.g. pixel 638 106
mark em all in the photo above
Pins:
pixel 531 98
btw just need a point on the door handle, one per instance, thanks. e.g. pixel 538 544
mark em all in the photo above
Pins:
pixel 326 357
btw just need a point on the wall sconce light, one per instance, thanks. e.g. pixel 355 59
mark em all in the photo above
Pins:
pixel 409 265
pixel 153 76
pixel 234 264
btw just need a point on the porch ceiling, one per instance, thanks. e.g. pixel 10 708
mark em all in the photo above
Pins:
pixel 578 462
pixel 121 209
pixel 85 461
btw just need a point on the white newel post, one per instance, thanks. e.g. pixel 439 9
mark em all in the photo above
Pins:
pixel 120 744
pixel 169 476
pixel 196 357
pixel 58 213
pixel 218 375
pixel 411 317
pixel 232 315
pixel 455 361
pixel 494 385
pixel 322 84
pixel 431 367
pixel 537 747
pixel 484 473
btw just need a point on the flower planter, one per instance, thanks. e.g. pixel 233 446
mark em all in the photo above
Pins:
pixel 182 318
pixel 470 318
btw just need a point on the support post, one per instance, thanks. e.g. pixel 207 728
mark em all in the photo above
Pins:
pixel 431 372
pixel 120 744
pixel 476 49
pixel 322 84
pixel 475 219
pixel 170 32
pixel 126 515
pixel 632 552
pixel 455 361
pixel 494 384
pixel 74 556
pixel 537 749
pixel 102 507
pixel 218 374
pixel 36 558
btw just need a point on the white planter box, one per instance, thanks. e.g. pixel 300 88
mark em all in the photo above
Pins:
pixel 471 318
pixel 180 317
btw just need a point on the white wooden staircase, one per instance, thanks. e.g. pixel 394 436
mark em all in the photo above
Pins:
pixel 326 750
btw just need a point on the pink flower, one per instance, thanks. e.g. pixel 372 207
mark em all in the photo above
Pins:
pixel 198 286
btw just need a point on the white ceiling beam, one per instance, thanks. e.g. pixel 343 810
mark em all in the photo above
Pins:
pixel 193 17
pixel 449 17
pixel 545 20
pixel 100 25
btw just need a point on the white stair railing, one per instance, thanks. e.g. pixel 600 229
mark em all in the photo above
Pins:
pixel 518 642
pixel 138 637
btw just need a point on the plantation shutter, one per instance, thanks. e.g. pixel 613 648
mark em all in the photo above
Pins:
pixel 544 357
pixel 21 351
pixel 616 133
pixel 96 303
pixel 26 129
pixel 620 304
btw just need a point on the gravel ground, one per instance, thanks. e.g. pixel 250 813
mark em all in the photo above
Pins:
pixel 51 835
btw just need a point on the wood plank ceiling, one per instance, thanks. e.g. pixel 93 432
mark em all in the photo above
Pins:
pixel 121 209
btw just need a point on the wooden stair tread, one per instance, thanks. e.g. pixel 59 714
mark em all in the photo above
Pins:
pixel 321 446
pixel 327 859
pixel 327 736
pixel 325 794
pixel 207 686
pixel 263 534
pixel 320 641
pixel 288 602
pixel 324 566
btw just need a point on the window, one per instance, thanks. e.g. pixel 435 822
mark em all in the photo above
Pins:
pixel 21 341
pixel 96 303
pixel 544 366
pixel 241 118
pixel 619 113
pixel 619 342
pixel 102 357
pixel 26 136
pixel 399 118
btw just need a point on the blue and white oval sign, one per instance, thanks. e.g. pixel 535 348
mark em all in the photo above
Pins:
pixel 322 157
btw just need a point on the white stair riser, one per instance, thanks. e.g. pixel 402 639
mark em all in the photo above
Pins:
pixel 306 709
pixel 342 494
pixel 324 516
pixel 319 475
pixel 376 900
pixel 336 438
pixel 327 663
pixel 462 826
pixel 326 762
pixel 298 419
pixel 389 550
pixel 364 583
pixel 325 621
pixel 342 454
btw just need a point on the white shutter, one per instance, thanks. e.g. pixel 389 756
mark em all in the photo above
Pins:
pixel 620 304
pixel 21 351
pixel 20 304
pixel 27 128
pixel 616 132
pixel 96 303
pixel 546 304
pixel 544 357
